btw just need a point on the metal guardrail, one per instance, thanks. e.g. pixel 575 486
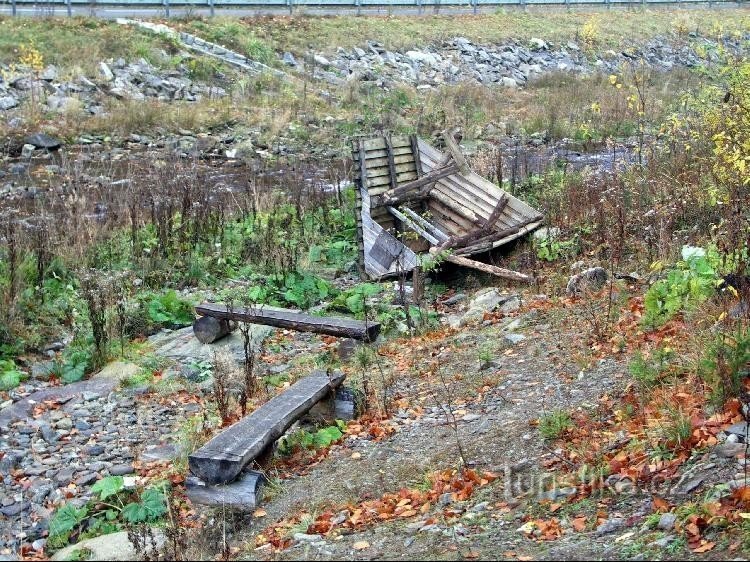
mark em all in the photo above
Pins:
pixel 420 6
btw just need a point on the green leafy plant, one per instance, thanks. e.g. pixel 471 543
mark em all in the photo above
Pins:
pixel 690 282
pixel 319 439
pixel 170 309
pixel 113 507
pixel 10 376
pixel 76 360
pixel 353 300
pixel 552 249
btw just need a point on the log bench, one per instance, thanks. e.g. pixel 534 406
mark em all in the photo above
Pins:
pixel 222 459
pixel 216 322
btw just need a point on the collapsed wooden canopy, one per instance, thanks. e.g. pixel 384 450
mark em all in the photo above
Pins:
pixel 406 184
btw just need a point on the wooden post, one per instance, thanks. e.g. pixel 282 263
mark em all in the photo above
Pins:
pixel 166 8
pixel 359 7
pixel 419 7
pixel 417 282
pixel 13 7
pixel 68 6
pixel 211 6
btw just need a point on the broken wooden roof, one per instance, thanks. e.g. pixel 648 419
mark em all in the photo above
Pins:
pixel 407 185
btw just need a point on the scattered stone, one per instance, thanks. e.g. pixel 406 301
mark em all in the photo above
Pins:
pixel 303 537
pixel 121 470
pixel 611 525
pixel 27 151
pixel 589 280
pixel 667 521
pixel 514 338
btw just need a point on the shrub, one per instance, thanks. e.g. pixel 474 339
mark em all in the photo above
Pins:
pixel 555 424
pixel 726 365
pixel 169 309
pixel 10 377
pixel 691 281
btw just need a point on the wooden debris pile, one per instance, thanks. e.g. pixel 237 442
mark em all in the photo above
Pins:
pixel 406 185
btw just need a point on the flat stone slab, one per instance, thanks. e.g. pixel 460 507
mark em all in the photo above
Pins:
pixel 222 459
pixel 242 494
pixel 22 409
pixel 114 546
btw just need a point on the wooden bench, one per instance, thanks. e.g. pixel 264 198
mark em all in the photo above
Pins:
pixel 222 459
pixel 216 322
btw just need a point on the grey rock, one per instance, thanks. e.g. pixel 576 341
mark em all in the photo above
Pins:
pixel 667 521
pixel 114 546
pixel 289 59
pixel 304 537
pixel 121 470
pixel 611 525
pixel 8 102
pixel 458 297
pixel 740 429
pixel 514 338
pixel 42 140
pixel 15 509
pixel 591 279
pixel 27 151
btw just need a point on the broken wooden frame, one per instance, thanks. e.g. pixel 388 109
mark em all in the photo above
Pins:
pixel 407 185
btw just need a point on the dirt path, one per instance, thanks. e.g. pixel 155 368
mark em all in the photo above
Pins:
pixel 494 428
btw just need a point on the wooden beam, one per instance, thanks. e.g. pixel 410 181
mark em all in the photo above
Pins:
pixel 208 329
pixel 292 320
pixel 487 268
pixel 222 459
pixel 455 151
pixel 485 244
pixel 391 163
pixel 466 239
pixel 396 196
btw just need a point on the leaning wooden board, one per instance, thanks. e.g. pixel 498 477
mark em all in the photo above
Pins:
pixel 223 458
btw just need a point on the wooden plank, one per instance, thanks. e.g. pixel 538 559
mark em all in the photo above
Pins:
pixel 383 153
pixel 222 459
pixel 292 320
pixel 384 180
pixel 379 143
pixel 362 194
pixel 487 243
pixel 413 226
pixel 455 151
pixel 454 224
pixel 400 167
pixel 384 162
pixel 424 223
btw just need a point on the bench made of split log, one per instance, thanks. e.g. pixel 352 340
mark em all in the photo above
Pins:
pixel 222 459
pixel 208 331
